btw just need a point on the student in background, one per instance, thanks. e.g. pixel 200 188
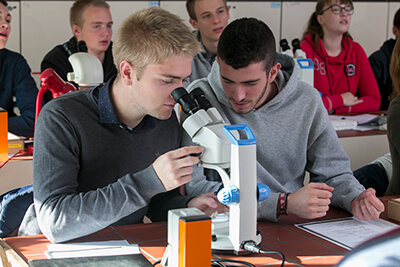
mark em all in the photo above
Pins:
pixel 342 72
pixel 91 22
pixel 110 155
pixel 380 61
pixel 252 84
pixel 393 122
pixel 376 174
pixel 15 81
pixel 209 18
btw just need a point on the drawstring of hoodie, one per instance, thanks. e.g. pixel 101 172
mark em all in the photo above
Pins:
pixel 348 82
pixel 329 81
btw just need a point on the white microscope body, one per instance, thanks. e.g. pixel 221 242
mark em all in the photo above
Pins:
pixel 304 65
pixel 223 150
pixel 87 69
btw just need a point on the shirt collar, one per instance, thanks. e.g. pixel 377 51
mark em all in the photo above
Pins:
pixel 107 112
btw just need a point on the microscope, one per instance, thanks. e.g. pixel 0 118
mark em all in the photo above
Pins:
pixel 88 70
pixel 304 65
pixel 50 80
pixel 230 153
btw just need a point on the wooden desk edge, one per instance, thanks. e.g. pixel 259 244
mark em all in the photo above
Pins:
pixel 9 257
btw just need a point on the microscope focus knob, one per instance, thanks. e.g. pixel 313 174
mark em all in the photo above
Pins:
pixel 263 192
pixel 229 195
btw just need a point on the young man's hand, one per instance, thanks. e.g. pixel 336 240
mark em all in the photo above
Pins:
pixel 207 203
pixel 174 168
pixel 311 201
pixel 367 206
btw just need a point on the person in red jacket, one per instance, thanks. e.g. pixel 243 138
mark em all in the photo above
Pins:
pixel 342 72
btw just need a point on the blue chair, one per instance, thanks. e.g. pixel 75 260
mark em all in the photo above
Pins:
pixel 13 206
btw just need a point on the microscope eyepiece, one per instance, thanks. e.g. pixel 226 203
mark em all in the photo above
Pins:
pixel 69 48
pixel 284 44
pixel 82 46
pixel 200 99
pixel 182 97
pixel 296 44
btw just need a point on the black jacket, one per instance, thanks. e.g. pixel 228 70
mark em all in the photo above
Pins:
pixel 57 59
pixel 380 62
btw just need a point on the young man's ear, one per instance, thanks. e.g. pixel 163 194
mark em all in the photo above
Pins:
pixel 128 74
pixel 396 31
pixel 76 31
pixel 193 23
pixel 273 72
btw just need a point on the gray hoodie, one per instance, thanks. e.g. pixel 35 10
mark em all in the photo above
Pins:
pixel 201 64
pixel 293 134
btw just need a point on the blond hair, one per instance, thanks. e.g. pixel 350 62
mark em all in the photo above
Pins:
pixel 79 6
pixel 152 36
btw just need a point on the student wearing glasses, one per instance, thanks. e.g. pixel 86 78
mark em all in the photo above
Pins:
pixel 342 72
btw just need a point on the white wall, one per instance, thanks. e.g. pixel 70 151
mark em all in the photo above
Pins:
pixel 37 26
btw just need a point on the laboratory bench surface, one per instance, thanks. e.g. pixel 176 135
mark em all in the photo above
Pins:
pixel 299 247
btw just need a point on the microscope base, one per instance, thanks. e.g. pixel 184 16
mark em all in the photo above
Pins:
pixel 221 243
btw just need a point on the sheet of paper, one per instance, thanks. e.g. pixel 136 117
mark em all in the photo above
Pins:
pixel 339 125
pixel 90 249
pixel 347 122
pixel 360 119
pixel 348 232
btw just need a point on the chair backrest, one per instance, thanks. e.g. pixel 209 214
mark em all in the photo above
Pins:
pixel 13 205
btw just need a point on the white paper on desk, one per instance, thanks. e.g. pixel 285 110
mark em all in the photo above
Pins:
pixel 364 122
pixel 91 249
pixel 348 232
pixel 340 125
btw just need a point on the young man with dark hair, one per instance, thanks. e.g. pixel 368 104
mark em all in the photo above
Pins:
pixel 252 84
pixel 380 61
pixel 209 18
pixel 110 155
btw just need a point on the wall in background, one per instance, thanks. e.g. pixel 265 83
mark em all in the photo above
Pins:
pixel 37 26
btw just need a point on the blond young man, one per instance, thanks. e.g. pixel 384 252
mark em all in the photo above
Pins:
pixel 90 22
pixel 209 18
pixel 118 159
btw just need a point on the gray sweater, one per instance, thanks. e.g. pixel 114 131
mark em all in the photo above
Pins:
pixel 201 64
pixel 90 171
pixel 293 134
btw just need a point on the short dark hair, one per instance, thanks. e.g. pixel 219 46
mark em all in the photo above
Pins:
pixel 396 19
pixel 4 2
pixel 246 41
